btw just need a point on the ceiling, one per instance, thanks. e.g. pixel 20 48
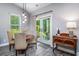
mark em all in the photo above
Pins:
pixel 31 7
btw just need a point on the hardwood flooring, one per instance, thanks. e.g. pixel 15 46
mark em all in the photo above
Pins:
pixel 42 50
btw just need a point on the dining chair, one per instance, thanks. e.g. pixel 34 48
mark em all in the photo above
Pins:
pixel 33 40
pixel 10 39
pixel 20 43
pixel 32 37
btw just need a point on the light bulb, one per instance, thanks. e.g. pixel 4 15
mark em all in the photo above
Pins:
pixel 23 21
pixel 23 14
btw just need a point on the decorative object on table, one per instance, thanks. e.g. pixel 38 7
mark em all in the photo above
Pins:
pixel 58 31
pixel 71 26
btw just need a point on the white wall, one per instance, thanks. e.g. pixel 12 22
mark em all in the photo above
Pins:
pixel 61 12
pixel 5 11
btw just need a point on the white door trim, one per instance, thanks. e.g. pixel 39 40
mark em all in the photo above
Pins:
pixel 51 33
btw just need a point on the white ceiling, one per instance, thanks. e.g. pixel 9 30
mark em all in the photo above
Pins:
pixel 30 7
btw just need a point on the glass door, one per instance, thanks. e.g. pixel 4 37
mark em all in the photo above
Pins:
pixel 43 29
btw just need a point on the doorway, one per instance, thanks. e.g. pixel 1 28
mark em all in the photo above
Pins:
pixel 44 28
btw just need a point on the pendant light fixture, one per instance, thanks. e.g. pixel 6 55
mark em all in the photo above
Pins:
pixel 24 13
pixel 23 10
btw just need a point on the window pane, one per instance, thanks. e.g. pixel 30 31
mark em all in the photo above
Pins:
pixel 15 24
pixel 14 20
pixel 15 27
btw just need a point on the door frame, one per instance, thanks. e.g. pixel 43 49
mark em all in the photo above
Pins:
pixel 51 33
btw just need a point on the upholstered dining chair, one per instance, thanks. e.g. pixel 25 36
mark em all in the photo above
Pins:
pixel 33 39
pixel 31 36
pixel 20 42
pixel 10 39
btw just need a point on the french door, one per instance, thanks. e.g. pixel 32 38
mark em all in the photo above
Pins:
pixel 44 28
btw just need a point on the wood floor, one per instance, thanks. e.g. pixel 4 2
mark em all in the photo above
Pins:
pixel 42 50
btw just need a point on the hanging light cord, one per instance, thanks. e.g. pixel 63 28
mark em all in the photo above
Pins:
pixel 23 7
pixel 24 15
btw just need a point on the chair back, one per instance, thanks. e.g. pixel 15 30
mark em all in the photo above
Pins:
pixel 10 36
pixel 20 41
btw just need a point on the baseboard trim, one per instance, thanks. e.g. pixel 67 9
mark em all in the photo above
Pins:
pixel 5 44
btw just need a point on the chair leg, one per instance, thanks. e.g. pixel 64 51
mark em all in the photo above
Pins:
pixel 25 52
pixel 9 47
pixel 16 52
pixel 56 46
pixel 36 45
pixel 53 47
pixel 53 50
pixel 75 51
pixel 13 45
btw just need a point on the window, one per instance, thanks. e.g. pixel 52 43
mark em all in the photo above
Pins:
pixel 14 24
